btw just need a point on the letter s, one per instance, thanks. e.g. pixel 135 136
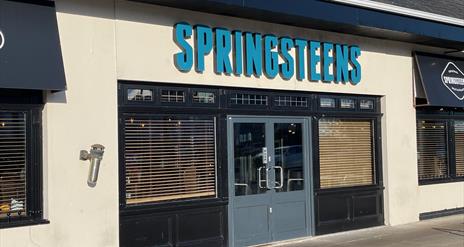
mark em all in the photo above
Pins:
pixel 355 73
pixel 184 59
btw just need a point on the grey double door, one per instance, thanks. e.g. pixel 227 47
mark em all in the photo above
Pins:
pixel 269 173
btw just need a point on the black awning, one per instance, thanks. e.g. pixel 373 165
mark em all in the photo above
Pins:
pixel 30 53
pixel 442 80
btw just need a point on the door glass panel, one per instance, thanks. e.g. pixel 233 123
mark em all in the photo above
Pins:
pixel 250 171
pixel 288 144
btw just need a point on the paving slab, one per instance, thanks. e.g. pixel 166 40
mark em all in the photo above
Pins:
pixel 440 232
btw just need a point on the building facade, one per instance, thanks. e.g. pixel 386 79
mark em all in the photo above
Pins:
pixel 226 123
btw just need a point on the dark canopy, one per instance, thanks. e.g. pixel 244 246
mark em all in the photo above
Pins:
pixel 30 53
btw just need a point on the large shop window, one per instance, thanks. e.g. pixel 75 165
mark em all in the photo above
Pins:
pixel 345 153
pixel 20 194
pixel 440 149
pixel 169 158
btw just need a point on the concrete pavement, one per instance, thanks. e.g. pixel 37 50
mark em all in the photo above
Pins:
pixel 440 232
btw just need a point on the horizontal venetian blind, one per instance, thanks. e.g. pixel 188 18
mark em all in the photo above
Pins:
pixel 345 153
pixel 169 158
pixel 12 163
pixel 432 149
pixel 459 142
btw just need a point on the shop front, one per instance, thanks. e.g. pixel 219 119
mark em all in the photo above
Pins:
pixel 231 124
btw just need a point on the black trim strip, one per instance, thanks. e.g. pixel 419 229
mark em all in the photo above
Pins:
pixel 441 213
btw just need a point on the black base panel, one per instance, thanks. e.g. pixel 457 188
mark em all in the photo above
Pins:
pixel 348 209
pixel 441 213
pixel 194 227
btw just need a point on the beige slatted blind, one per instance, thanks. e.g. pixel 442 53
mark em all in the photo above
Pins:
pixel 432 150
pixel 12 163
pixel 345 153
pixel 459 138
pixel 169 158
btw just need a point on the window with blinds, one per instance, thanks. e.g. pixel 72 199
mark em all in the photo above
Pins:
pixel 459 144
pixel 12 164
pixel 345 153
pixel 432 149
pixel 169 158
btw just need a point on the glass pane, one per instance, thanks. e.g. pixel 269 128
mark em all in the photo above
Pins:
pixel 366 104
pixel 288 144
pixel 347 103
pixel 327 102
pixel 12 164
pixel 345 153
pixel 432 150
pixel 248 99
pixel 169 158
pixel 176 96
pixel 203 97
pixel 459 138
pixel 291 101
pixel 250 172
pixel 139 94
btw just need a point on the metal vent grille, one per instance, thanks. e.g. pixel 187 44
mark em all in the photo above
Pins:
pixel 459 140
pixel 12 163
pixel 169 158
pixel 345 153
pixel 291 101
pixel 432 149
pixel 248 99
pixel 172 96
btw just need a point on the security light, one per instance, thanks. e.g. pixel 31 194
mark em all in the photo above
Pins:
pixel 95 156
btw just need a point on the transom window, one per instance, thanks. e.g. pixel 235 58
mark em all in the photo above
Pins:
pixel 248 99
pixel 291 101
pixel 172 96
pixel 139 94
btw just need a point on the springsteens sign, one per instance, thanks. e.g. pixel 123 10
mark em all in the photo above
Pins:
pixel 236 52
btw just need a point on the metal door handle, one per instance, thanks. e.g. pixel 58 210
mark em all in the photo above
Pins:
pixel 281 177
pixel 260 180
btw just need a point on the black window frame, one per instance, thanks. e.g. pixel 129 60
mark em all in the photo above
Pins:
pixel 31 103
pixel 221 110
pixel 448 115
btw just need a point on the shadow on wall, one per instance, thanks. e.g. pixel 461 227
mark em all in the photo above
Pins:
pixel 56 97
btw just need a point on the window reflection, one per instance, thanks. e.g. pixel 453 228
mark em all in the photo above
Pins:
pixel 139 94
pixel 288 143
pixel 249 140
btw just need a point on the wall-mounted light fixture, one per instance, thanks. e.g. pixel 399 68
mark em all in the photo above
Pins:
pixel 95 156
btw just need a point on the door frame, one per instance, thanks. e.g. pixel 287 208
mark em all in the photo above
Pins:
pixel 308 164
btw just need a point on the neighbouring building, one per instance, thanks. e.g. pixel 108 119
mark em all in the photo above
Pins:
pixel 226 122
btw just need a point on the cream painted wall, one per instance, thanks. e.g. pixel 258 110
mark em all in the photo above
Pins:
pixel 436 197
pixel 138 45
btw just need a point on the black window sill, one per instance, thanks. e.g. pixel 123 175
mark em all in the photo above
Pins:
pixel 441 181
pixel 21 223
pixel 171 205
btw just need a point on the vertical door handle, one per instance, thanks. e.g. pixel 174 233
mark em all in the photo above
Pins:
pixel 260 180
pixel 281 177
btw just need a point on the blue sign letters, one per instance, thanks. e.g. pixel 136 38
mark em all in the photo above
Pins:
pixel 237 52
